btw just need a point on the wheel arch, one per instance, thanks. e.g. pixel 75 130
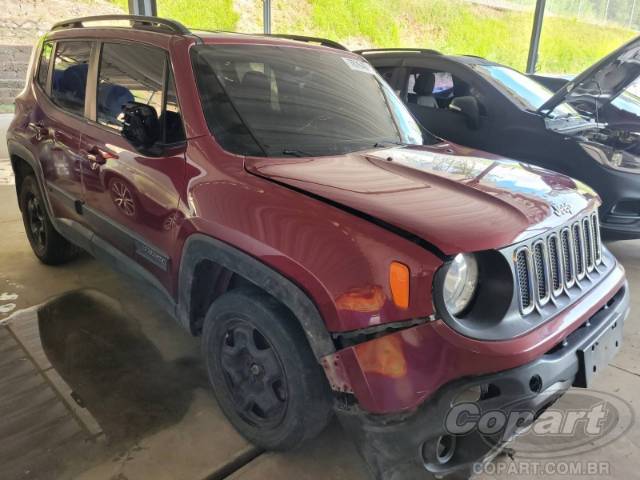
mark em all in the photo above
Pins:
pixel 208 267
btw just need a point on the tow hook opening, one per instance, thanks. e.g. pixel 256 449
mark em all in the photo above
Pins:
pixel 445 448
pixel 442 451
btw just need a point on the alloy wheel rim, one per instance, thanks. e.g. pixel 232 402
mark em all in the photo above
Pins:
pixel 123 198
pixel 36 220
pixel 254 375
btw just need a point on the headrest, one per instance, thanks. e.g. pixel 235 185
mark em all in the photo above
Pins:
pixel 74 80
pixel 256 84
pixel 424 84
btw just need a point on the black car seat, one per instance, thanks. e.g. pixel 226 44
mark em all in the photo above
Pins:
pixel 424 90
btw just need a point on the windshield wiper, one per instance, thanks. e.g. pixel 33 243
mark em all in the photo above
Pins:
pixel 386 144
pixel 296 153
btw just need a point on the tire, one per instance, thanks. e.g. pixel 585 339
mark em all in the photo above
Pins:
pixel 48 245
pixel 263 372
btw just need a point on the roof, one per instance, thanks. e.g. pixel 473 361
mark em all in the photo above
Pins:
pixel 172 27
pixel 422 52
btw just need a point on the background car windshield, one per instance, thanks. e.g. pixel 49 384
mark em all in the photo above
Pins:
pixel 275 101
pixel 525 91
pixel 521 89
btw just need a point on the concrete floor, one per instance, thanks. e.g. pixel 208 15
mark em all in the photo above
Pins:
pixel 97 383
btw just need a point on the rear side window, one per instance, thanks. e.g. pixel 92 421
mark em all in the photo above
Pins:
pixel 137 73
pixel 43 65
pixel 70 69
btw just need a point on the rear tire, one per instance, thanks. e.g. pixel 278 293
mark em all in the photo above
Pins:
pixel 263 373
pixel 50 247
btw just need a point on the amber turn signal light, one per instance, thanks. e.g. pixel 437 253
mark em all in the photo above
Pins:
pixel 399 282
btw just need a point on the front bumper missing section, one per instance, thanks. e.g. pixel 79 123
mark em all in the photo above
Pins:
pixel 404 446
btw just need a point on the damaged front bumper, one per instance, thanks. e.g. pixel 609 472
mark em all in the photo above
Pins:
pixel 418 443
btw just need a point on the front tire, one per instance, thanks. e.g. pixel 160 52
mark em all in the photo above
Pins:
pixel 50 247
pixel 264 375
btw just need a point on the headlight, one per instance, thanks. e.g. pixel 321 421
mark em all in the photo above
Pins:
pixel 460 283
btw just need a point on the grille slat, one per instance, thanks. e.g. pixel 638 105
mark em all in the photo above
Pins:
pixel 523 271
pixel 541 270
pixel 595 231
pixel 568 260
pixel 555 265
pixel 587 234
pixel 549 267
pixel 578 248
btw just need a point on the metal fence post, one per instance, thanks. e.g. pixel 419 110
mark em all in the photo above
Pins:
pixel 266 15
pixel 143 7
pixel 538 17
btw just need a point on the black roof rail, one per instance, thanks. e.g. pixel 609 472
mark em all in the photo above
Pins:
pixel 325 42
pixel 417 50
pixel 136 21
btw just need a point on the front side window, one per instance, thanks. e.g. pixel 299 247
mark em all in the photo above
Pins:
pixel 279 101
pixel 70 69
pixel 43 66
pixel 128 73
pixel 137 73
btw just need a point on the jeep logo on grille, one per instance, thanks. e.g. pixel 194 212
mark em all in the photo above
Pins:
pixel 561 209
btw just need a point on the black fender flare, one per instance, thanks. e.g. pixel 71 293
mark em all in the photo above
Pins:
pixel 18 150
pixel 199 247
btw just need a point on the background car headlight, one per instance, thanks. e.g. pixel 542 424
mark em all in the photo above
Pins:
pixel 460 283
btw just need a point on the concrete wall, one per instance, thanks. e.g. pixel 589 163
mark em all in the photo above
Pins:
pixel 14 62
pixel 4 124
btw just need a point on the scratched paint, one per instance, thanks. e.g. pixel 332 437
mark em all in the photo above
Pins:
pixel 10 306
pixel 6 174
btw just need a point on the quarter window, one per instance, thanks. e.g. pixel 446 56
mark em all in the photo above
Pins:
pixel 43 68
pixel 69 81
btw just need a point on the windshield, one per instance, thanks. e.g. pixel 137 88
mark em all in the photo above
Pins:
pixel 276 101
pixel 520 88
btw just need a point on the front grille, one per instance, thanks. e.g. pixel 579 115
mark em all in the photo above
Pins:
pixel 549 267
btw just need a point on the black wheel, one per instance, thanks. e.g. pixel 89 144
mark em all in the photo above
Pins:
pixel 48 245
pixel 264 375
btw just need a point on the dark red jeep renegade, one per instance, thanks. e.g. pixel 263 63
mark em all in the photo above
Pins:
pixel 277 197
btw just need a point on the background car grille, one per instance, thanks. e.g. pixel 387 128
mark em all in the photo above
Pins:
pixel 550 266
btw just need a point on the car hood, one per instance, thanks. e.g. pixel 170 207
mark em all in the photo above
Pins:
pixel 455 198
pixel 604 80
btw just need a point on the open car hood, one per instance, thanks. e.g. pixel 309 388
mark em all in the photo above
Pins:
pixel 455 198
pixel 603 81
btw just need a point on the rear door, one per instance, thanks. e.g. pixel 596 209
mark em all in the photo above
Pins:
pixel 131 197
pixel 58 120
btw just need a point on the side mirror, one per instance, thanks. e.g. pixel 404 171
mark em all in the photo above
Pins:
pixel 470 108
pixel 140 125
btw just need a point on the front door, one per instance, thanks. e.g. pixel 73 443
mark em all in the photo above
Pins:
pixel 132 196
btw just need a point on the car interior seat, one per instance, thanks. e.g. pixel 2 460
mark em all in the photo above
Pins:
pixel 424 90
pixel 70 85
pixel 111 99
